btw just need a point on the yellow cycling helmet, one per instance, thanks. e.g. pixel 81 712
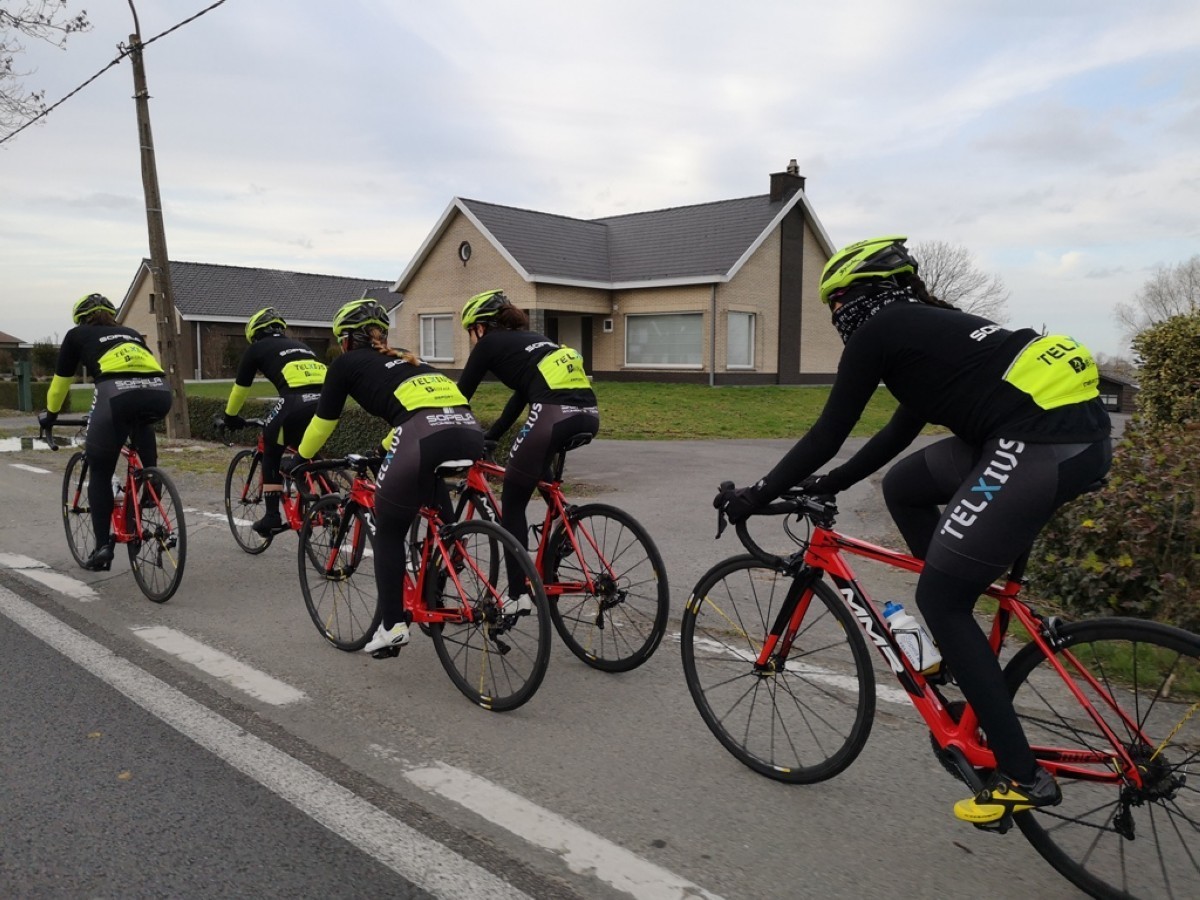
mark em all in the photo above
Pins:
pixel 90 303
pixel 873 258
pixel 359 314
pixel 483 306
pixel 263 322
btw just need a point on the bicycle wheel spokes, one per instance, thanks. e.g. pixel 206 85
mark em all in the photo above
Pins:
pixel 337 573
pixel 1138 834
pixel 77 511
pixel 158 550
pixel 496 660
pixel 244 500
pixel 800 719
pixel 614 600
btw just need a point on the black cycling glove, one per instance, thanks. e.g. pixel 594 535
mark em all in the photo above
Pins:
pixel 740 503
pixel 234 422
pixel 818 486
pixel 291 461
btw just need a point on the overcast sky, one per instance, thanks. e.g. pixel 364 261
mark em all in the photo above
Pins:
pixel 1057 140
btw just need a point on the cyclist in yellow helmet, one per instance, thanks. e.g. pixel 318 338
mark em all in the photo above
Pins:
pixel 431 423
pixel 548 378
pixel 293 368
pixel 131 395
pixel 1029 433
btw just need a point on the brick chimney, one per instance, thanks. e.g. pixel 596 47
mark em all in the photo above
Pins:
pixel 784 184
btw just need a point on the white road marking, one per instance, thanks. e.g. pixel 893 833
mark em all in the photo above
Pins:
pixel 582 851
pixel 258 685
pixel 415 857
pixel 43 574
pixel 34 469
pixel 814 673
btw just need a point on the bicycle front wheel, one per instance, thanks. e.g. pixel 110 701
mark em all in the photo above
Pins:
pixel 1111 837
pixel 77 511
pixel 158 555
pixel 805 714
pixel 617 623
pixel 497 660
pixel 337 572
pixel 244 500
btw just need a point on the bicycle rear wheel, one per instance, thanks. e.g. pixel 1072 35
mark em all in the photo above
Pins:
pixel 619 625
pixel 806 715
pixel 498 661
pixel 244 500
pixel 337 572
pixel 158 557
pixel 1115 839
pixel 77 511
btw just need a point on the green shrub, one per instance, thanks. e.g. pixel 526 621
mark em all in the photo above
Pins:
pixel 1169 358
pixel 357 432
pixel 10 398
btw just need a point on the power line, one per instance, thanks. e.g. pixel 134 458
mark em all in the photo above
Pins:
pixel 125 51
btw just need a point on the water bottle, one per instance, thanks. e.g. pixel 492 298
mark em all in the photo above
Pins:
pixel 118 486
pixel 912 637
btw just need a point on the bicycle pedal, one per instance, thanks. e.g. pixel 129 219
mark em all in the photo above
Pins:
pixel 1000 826
pixel 386 653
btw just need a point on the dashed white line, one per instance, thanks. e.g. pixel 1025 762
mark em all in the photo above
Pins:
pixel 34 469
pixel 43 574
pixel 581 850
pixel 220 665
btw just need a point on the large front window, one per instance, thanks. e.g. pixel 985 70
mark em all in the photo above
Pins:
pixel 437 338
pixel 674 339
pixel 740 354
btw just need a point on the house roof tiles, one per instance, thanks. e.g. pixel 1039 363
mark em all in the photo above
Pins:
pixel 205 290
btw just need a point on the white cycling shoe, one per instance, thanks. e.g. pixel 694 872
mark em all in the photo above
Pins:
pixel 387 641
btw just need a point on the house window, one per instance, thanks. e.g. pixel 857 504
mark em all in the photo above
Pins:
pixel 740 353
pixel 664 340
pixel 437 338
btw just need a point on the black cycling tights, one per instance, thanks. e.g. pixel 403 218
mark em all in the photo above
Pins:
pixel 996 499
pixel 119 412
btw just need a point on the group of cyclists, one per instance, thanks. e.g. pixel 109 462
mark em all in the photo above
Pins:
pixel 1028 433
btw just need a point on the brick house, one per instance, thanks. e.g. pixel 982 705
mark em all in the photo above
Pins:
pixel 717 293
pixel 213 303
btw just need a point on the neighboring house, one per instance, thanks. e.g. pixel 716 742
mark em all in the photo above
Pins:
pixel 213 304
pixel 10 343
pixel 1118 392
pixel 718 293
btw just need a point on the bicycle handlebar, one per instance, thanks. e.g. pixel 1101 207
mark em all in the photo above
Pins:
pixel 820 511
pixel 46 432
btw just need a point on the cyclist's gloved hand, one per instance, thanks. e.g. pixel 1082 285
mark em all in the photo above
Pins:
pixel 818 486
pixel 46 419
pixel 234 422
pixel 290 461
pixel 489 448
pixel 740 503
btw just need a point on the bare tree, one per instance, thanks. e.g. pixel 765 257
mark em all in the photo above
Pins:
pixel 951 274
pixel 43 20
pixel 1173 291
pixel 1115 365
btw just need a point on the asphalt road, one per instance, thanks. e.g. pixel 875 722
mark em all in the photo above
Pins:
pixel 602 786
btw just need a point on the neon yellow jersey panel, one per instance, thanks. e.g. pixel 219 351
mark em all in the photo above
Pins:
pixel 427 391
pixel 563 370
pixel 1055 371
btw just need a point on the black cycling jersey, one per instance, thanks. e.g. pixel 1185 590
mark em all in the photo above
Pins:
pixel 377 382
pixel 290 365
pixel 106 351
pixel 535 368
pixel 948 368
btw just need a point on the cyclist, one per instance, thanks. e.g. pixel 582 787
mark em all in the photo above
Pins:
pixel 130 395
pixel 1029 434
pixel 547 377
pixel 297 374
pixel 431 423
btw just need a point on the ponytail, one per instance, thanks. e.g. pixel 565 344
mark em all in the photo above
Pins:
pixel 377 341
pixel 918 289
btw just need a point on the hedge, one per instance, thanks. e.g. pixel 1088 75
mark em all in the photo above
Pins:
pixel 356 432
pixel 10 397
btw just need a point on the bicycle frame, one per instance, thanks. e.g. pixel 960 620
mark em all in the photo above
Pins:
pixel 825 554
pixel 123 530
pixel 557 510
pixel 291 499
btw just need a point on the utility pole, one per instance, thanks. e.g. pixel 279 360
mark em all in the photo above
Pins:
pixel 160 267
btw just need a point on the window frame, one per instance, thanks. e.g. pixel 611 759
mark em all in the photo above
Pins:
pixel 752 341
pixel 667 365
pixel 430 353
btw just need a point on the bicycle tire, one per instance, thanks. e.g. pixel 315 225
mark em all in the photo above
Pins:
pixel 1089 837
pixel 337 572
pixel 618 627
pixel 803 723
pixel 244 499
pixel 159 556
pixel 77 510
pixel 497 661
